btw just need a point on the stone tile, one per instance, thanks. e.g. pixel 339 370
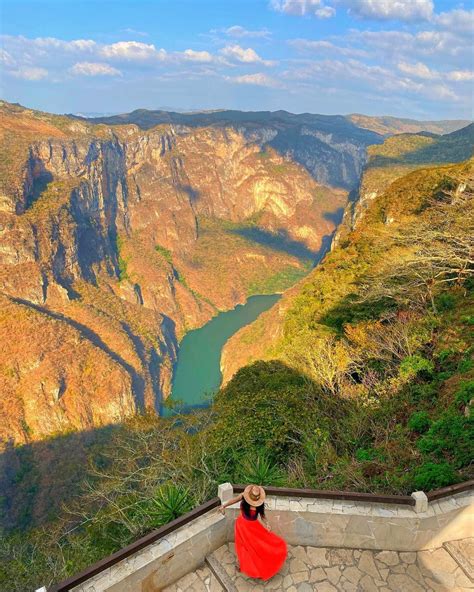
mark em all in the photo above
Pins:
pixel 367 564
pixel 352 574
pixel 333 574
pixel 367 584
pixel 317 575
pixel 339 570
pixel 408 557
pixel 403 583
pixel 389 558
pixel 318 557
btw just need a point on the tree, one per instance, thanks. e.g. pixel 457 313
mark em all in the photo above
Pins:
pixel 434 250
pixel 325 359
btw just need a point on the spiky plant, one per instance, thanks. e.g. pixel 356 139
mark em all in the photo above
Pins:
pixel 171 502
pixel 262 471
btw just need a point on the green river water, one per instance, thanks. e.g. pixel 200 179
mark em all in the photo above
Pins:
pixel 197 374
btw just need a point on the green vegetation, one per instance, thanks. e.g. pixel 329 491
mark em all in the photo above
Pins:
pixel 122 262
pixel 165 253
pixel 278 282
pixel 368 389
pixel 171 502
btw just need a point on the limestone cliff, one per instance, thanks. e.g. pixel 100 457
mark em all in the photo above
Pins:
pixel 387 163
pixel 114 241
pixel 331 147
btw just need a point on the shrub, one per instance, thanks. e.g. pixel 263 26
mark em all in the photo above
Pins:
pixel 171 502
pixel 434 475
pixel 423 393
pixel 165 253
pixel 415 365
pixel 445 301
pixel 262 471
pixel 465 393
pixel 419 422
pixel 366 454
pixel 452 435
pixel 268 407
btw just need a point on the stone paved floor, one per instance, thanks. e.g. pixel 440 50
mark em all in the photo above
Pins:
pixel 309 569
pixel 201 580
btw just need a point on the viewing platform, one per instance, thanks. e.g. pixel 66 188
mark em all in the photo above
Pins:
pixel 337 541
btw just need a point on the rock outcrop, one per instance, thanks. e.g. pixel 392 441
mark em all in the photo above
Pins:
pixel 393 160
pixel 115 241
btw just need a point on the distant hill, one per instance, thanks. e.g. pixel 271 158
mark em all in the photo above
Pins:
pixel 331 147
pixel 387 125
pixel 403 153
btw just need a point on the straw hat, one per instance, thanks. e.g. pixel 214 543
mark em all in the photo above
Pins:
pixel 254 495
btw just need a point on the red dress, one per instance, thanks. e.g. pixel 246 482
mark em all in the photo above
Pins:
pixel 261 553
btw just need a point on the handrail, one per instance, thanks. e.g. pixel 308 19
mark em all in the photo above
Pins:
pixel 437 494
pixel 155 535
pixel 152 537
pixel 405 500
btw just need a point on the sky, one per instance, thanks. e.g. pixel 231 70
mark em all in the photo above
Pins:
pixel 407 58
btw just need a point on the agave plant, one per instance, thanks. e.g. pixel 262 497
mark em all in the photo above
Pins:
pixel 261 470
pixel 171 502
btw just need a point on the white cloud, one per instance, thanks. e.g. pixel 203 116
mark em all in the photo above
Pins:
pixel 246 56
pixel 325 12
pixel 361 77
pixel 323 46
pixel 457 21
pixel 255 79
pixel 303 8
pixel 131 31
pixel 29 73
pixel 197 56
pixel 418 70
pixel 133 51
pixel 442 46
pixel 240 32
pixel 6 59
pixel 461 75
pixel 77 45
pixel 384 10
pixel 94 69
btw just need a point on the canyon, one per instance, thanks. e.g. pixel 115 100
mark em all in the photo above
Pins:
pixel 115 241
pixel 119 235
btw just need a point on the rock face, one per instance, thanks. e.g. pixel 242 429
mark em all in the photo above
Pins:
pixel 115 241
pixel 332 148
pixel 393 160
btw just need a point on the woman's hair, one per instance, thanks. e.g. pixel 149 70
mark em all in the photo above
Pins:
pixel 246 509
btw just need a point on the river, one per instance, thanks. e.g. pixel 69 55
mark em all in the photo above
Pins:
pixel 197 374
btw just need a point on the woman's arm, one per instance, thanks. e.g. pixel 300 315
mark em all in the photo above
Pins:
pixel 230 502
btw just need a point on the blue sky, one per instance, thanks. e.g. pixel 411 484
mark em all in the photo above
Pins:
pixel 411 58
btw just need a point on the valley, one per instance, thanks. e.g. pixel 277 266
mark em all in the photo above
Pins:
pixel 135 262
pixel 117 241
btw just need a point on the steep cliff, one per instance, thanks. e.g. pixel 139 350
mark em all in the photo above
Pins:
pixel 116 241
pixel 331 147
pixel 385 185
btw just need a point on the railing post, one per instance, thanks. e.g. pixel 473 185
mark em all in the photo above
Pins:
pixel 421 501
pixel 225 492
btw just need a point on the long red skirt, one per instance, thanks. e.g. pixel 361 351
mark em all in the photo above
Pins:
pixel 261 553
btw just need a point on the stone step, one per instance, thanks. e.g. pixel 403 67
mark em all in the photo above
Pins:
pixel 463 554
pixel 220 573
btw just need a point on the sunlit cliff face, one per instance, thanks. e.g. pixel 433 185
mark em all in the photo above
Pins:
pixel 116 241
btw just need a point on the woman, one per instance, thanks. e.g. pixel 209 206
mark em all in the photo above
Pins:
pixel 261 553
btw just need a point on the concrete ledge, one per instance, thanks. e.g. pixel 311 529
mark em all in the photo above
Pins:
pixel 330 523
pixel 165 561
pixel 346 520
